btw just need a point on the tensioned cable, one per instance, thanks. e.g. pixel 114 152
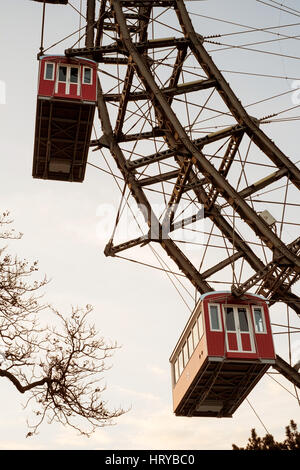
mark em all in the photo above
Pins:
pixel 163 263
pixel 283 111
pixel 278 8
pixel 288 119
pixel 252 29
pixel 234 46
pixel 257 43
pixel 256 414
pixel 106 171
pixel 78 11
pixel 163 270
pixel 260 75
pixel 63 39
pixel 152 249
pixel 285 6
pixel 257 30
pixel 271 377
pixel 285 326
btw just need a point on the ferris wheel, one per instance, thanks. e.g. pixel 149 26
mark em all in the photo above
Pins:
pixel 218 197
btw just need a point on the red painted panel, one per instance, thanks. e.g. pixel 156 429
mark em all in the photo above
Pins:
pixel 86 92
pixel 246 344
pixel 263 343
pixel 215 339
pixel 46 87
pixel 61 90
pixel 215 344
pixel 73 91
pixel 232 341
pixel 265 346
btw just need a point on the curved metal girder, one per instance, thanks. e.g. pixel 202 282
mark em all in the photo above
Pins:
pixel 166 113
pixel 206 181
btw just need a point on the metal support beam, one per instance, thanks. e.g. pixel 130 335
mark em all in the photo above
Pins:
pixel 90 19
pixel 170 247
pixel 255 133
pixel 222 264
pixel 258 225
pixel 287 371
pixel 200 143
pixel 168 91
pixel 159 178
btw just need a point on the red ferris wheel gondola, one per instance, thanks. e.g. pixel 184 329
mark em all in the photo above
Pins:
pixel 67 94
pixel 224 350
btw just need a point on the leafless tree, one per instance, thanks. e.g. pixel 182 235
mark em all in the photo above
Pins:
pixel 60 367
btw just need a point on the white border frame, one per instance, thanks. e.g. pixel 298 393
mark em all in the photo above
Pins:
pixel 68 82
pixel 263 319
pixel 53 71
pixel 83 70
pixel 219 317
pixel 74 66
pixel 238 332
pixel 200 322
pixel 58 68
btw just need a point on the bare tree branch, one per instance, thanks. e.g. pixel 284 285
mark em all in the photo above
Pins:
pixel 59 367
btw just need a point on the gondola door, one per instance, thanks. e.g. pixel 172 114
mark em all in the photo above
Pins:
pixel 68 81
pixel 238 329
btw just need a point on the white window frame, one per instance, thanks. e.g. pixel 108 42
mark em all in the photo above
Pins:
pixel 68 82
pixel 53 71
pixel 83 82
pixel 264 332
pixel 234 318
pixel 238 331
pixel 180 363
pixel 195 324
pixel 78 76
pixel 200 326
pixel 219 318
pixel 185 352
pixel 190 337
pixel 176 370
pixel 62 81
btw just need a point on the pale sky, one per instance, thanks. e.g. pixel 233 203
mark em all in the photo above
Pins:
pixel 134 305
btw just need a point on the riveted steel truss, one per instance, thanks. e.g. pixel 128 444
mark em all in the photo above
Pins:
pixel 177 131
